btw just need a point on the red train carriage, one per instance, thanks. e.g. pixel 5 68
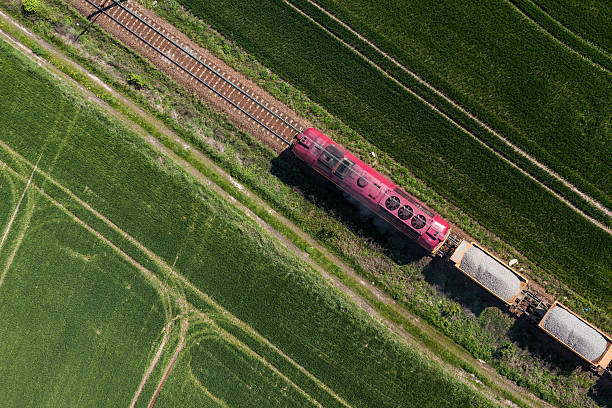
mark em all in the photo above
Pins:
pixel 371 189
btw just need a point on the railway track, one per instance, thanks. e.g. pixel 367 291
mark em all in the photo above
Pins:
pixel 197 70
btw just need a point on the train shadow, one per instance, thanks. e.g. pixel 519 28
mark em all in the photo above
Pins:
pixel 360 220
pixel 529 338
pixel 441 274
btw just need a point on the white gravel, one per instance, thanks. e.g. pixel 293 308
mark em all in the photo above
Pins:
pixel 578 335
pixel 490 273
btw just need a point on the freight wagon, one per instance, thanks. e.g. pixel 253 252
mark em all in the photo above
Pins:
pixel 422 225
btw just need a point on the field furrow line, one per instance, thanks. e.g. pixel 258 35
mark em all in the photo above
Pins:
pixel 566 30
pixel 9 262
pixel 161 263
pixel 145 377
pixel 10 223
pixel 170 366
pixel 206 391
pixel 543 167
pixel 238 343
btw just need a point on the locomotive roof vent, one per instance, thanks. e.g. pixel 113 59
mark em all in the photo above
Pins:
pixel 405 212
pixel 392 203
pixel 418 221
pixel 362 182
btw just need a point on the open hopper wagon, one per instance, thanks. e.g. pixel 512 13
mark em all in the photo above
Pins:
pixel 489 272
pixel 581 337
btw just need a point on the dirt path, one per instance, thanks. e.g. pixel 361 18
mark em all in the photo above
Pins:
pixel 503 383
pixel 170 366
pixel 152 365
pixel 517 149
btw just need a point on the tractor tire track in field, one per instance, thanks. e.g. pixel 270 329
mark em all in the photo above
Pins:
pixel 232 339
pixel 150 276
pixel 152 365
pixel 543 167
pixel 206 391
pixel 17 245
pixel 10 223
pixel 170 366
pixel 12 219
pixel 571 33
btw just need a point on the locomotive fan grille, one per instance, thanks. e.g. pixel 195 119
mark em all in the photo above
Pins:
pixel 392 203
pixel 418 221
pixel 405 212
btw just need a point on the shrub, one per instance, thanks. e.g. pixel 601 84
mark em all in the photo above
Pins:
pixel 31 6
pixel 137 81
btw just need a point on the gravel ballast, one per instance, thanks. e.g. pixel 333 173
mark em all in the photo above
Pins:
pixel 578 335
pixel 490 273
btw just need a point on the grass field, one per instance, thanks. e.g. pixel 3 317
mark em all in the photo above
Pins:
pixel 454 165
pixel 589 19
pixel 238 288
pixel 77 322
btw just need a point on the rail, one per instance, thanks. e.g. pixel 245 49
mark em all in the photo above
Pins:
pixel 191 74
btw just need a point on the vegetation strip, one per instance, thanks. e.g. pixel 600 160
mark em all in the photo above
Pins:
pixel 439 93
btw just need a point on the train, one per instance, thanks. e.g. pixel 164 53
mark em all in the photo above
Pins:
pixel 422 225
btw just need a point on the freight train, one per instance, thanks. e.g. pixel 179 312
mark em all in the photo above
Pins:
pixel 422 225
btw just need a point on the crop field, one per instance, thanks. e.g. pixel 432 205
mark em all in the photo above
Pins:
pixel 119 262
pixel 459 168
pixel 542 95
pixel 588 19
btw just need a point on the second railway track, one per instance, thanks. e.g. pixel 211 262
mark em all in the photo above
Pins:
pixel 196 70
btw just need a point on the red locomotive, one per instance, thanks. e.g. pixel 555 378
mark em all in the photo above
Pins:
pixel 400 209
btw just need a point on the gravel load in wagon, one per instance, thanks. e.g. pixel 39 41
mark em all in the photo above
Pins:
pixel 575 333
pixel 490 273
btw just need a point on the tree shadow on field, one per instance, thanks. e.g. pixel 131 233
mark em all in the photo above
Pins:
pixel 357 218
pixel 443 275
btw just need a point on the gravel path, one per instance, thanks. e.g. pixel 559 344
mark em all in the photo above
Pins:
pixel 490 273
pixel 578 335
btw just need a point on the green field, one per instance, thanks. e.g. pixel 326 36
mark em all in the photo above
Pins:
pixel 589 19
pixel 262 317
pixel 492 61
pixel 495 194
pixel 78 323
